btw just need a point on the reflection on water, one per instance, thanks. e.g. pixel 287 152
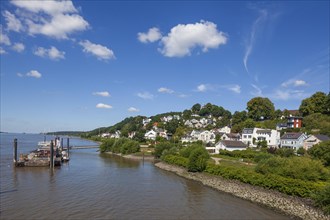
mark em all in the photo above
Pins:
pixel 93 185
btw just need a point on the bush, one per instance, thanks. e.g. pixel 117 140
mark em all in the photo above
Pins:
pixel 121 145
pixel 321 151
pixel 285 185
pixel 297 168
pixel 160 147
pixel 198 160
pixel 284 152
pixel 176 160
pixel 322 199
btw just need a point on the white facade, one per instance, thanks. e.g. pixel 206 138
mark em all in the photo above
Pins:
pixel 293 140
pixel 225 129
pixel 230 146
pixel 272 137
pixel 207 137
pixel 151 135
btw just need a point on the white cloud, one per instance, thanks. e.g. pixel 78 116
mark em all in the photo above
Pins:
pixel 251 41
pixel 52 53
pixel 18 47
pixel 165 90
pixel 235 88
pixel 183 38
pixel 145 95
pixel 102 105
pixel 4 39
pixel 101 52
pixel 55 19
pixel 20 75
pixel 132 109
pixel 34 73
pixel 104 94
pixel 257 92
pixel 205 87
pixel 294 83
pixel 2 51
pixel 13 23
pixel 151 36
pixel 288 94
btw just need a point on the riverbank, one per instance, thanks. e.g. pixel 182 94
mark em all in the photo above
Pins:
pixel 134 157
pixel 289 205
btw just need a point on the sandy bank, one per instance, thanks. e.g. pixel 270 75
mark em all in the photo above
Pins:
pixel 134 157
pixel 292 206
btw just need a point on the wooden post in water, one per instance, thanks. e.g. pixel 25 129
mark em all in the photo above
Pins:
pixel 51 163
pixel 15 151
pixel 68 146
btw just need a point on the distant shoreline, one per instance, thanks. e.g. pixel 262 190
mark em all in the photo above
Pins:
pixel 289 205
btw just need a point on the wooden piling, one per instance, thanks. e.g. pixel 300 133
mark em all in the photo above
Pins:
pixel 51 163
pixel 15 151
pixel 68 146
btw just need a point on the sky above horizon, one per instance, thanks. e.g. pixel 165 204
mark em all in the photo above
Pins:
pixel 80 65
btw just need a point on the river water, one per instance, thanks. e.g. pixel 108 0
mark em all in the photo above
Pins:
pixel 101 186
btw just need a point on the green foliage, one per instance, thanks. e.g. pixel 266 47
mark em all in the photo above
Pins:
pixel 284 152
pixel 121 145
pixel 198 160
pixel 289 186
pixel 317 121
pixel 322 199
pixel 321 151
pixel 171 151
pixel 314 104
pixel 160 147
pixel 196 108
pixel 239 117
pixel 259 108
pixel 249 154
pixel 297 168
pixel 301 151
pixel 176 160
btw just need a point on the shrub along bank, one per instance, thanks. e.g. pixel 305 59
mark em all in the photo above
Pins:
pixel 119 145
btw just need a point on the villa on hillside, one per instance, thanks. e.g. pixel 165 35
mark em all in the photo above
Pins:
pixel 293 140
pixel 226 145
pixel 231 137
pixel 251 136
pixel 312 140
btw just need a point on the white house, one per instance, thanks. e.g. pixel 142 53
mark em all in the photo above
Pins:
pixel 251 136
pixel 230 146
pixel 312 140
pixel 151 135
pixel 207 137
pixel 225 129
pixel 293 140
pixel 231 137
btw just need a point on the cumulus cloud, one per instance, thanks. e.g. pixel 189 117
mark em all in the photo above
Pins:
pixel 34 73
pixel 145 95
pixel 55 19
pixel 132 109
pixel 104 94
pixel 101 52
pixel 4 39
pixel 18 47
pixel 102 105
pixel 13 23
pixel 52 53
pixel 165 90
pixel 183 38
pixel 152 35
pixel 294 83
pixel 288 94
pixel 205 87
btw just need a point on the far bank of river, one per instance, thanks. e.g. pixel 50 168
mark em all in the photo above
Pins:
pixel 289 205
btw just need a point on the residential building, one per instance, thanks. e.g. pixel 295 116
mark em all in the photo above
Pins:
pixel 231 137
pixel 312 140
pixel 225 129
pixel 293 140
pixel 251 136
pixel 229 145
pixel 207 137
pixel 294 122
pixel 150 135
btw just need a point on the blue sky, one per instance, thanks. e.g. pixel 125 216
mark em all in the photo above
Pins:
pixel 85 64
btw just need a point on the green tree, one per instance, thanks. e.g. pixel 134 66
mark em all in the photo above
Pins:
pixel 317 122
pixel 322 199
pixel 239 117
pixel 198 160
pixel 196 108
pixel 314 104
pixel 321 151
pixel 260 108
pixel 160 147
pixel 186 114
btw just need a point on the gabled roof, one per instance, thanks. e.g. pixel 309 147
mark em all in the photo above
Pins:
pixel 291 135
pixel 322 137
pixel 234 144
pixel 247 131
pixel 264 131
pixel 233 135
